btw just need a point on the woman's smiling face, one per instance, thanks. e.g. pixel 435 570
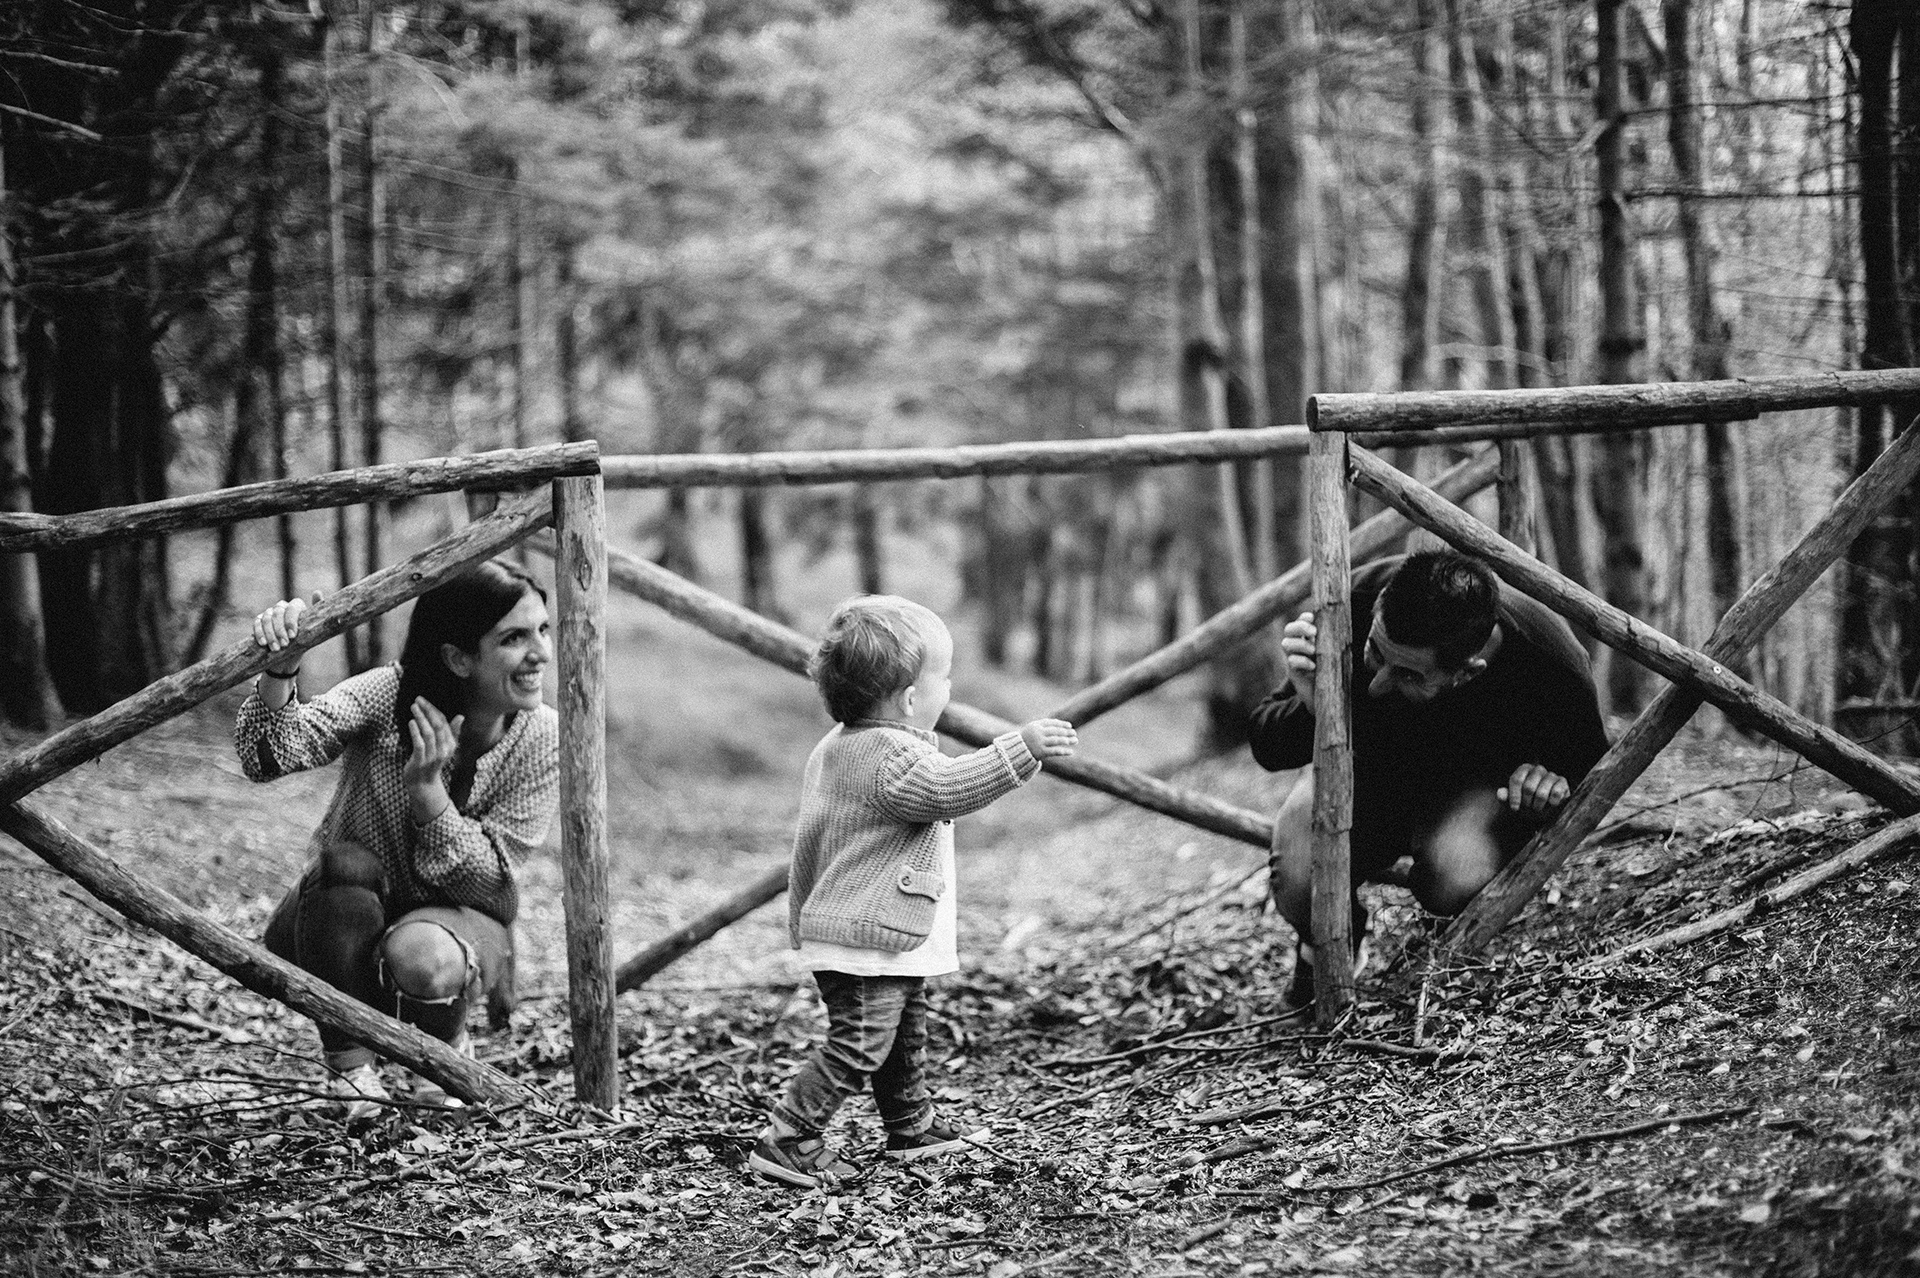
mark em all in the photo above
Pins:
pixel 506 672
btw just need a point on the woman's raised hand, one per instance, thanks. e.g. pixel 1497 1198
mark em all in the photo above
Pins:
pixel 277 627
pixel 436 740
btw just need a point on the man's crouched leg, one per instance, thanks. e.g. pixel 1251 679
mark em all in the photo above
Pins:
pixel 1290 878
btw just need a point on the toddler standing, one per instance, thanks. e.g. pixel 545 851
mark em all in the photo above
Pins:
pixel 871 907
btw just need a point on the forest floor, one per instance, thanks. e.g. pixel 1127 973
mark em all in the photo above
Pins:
pixel 1748 1104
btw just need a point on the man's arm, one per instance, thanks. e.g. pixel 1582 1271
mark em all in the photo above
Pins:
pixel 1568 735
pixel 1280 729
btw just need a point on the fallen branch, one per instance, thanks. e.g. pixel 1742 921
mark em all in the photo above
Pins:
pixel 1422 1054
pixel 1886 840
pixel 1238 1147
pixel 1203 1233
pixel 1062 1062
pixel 1486 1153
pixel 1249 1113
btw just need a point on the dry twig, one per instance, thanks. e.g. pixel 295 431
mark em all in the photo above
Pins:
pixel 1487 1153
pixel 1886 840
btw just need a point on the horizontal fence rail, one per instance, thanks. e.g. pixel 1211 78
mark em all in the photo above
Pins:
pixel 868 465
pixel 1601 408
pixel 504 468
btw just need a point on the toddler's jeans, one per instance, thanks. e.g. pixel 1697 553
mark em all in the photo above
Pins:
pixel 876 1030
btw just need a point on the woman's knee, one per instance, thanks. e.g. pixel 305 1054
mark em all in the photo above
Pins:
pixel 425 961
pixel 350 865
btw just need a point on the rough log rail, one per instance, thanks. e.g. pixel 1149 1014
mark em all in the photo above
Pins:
pixel 868 465
pixel 1457 425
pixel 505 468
pixel 155 704
pixel 1743 703
pixel 1763 603
pixel 1600 408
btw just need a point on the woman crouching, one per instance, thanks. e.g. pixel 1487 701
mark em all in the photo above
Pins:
pixel 449 779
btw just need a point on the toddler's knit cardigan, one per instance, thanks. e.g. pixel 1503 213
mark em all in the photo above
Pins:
pixel 866 856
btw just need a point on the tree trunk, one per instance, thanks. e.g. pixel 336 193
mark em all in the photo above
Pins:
pixel 573 426
pixel 339 304
pixel 1289 196
pixel 1620 475
pixel 372 290
pixel 239 469
pixel 1879 637
pixel 1479 217
pixel 1710 332
pixel 27 697
pixel 756 556
pixel 519 269
pixel 259 404
pixel 1426 238
pixel 1253 340
pixel 1206 348
pixel 264 360
pixel 867 549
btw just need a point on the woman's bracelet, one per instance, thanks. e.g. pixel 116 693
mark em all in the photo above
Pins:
pixel 288 677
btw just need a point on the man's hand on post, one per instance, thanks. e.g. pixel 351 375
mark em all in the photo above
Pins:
pixel 1534 790
pixel 1298 640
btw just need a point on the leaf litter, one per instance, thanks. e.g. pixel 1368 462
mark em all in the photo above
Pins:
pixel 1743 1104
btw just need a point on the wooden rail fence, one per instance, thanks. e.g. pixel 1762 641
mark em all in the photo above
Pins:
pixel 571 481
pixel 1336 461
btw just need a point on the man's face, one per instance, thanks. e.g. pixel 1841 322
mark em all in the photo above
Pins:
pixel 1412 673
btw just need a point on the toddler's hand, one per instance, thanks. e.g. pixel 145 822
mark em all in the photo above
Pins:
pixel 1049 738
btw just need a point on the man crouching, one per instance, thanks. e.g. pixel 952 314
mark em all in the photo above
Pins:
pixel 1478 717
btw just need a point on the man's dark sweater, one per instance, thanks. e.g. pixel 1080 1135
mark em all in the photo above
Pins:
pixel 1534 703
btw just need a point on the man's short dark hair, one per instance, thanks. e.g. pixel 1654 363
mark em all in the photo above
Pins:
pixel 1443 600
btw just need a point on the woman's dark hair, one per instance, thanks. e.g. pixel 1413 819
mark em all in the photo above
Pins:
pixel 1441 599
pixel 458 611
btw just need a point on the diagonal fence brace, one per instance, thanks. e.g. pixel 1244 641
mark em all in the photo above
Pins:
pixel 181 691
pixel 248 963
pixel 1665 656
pixel 1757 609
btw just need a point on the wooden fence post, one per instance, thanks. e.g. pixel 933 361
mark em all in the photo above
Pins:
pixel 1332 726
pixel 580 588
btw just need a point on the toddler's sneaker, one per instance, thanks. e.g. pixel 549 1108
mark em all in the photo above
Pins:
pixel 362 1090
pixel 937 1139
pixel 802 1161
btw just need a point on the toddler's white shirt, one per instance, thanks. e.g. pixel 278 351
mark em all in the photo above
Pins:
pixel 938 955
